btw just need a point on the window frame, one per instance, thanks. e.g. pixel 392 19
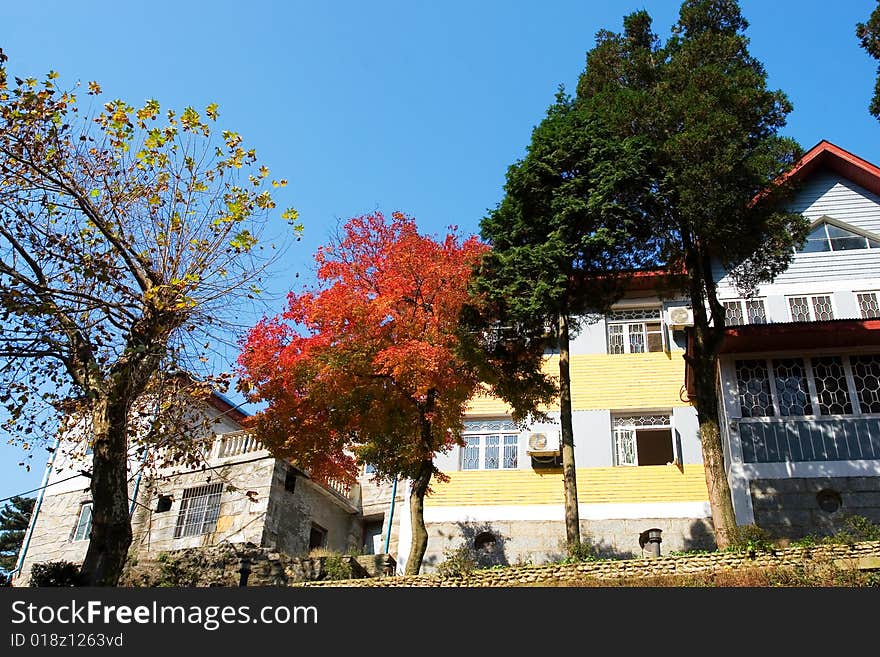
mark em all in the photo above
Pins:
pixel 75 535
pixel 826 222
pixel 626 332
pixel 742 304
pixel 811 306
pixel 876 295
pixel 619 426
pixel 212 494
pixel 479 436
pixel 853 395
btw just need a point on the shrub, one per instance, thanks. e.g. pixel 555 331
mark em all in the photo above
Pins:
pixel 752 538
pixel 336 567
pixel 579 552
pixel 459 562
pixel 54 573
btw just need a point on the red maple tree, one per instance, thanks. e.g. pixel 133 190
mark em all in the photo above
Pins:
pixel 367 364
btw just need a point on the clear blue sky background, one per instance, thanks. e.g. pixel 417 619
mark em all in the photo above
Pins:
pixel 418 106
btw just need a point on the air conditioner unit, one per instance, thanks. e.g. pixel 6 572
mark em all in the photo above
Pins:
pixel 543 443
pixel 679 316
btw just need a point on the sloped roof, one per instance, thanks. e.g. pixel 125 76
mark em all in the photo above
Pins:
pixel 826 155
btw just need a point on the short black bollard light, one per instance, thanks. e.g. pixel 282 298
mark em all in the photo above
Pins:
pixel 244 571
pixel 649 541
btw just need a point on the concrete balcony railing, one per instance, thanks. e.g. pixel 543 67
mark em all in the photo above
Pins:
pixel 235 443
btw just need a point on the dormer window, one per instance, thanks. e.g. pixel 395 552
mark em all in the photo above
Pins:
pixel 831 236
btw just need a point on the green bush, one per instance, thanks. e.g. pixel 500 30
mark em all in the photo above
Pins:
pixel 459 562
pixel 54 573
pixel 336 567
pixel 752 538
pixel 580 552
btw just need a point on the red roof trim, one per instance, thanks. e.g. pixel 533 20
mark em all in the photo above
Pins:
pixel 223 405
pixel 829 156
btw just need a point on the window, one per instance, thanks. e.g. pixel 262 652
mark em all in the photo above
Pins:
pixel 642 440
pixel 744 311
pixel 815 386
pixel 635 331
pixel 830 237
pixel 83 523
pixel 163 504
pixel 490 445
pixel 199 509
pixel 815 308
pixel 490 452
pixel 868 305
pixel 317 537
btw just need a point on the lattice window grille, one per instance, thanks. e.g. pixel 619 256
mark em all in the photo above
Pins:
pixel 817 308
pixel 800 310
pixel 615 339
pixel 755 312
pixel 490 452
pixel 792 391
pixel 831 385
pixel 485 426
pixel 625 446
pixel 733 314
pixel 199 509
pixel 642 421
pixel 744 311
pixel 636 338
pixel 753 388
pixel 868 305
pixel 470 459
pixel 631 314
pixel 866 376
pixel 822 310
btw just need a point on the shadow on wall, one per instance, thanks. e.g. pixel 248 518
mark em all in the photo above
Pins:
pixel 702 536
pixel 484 542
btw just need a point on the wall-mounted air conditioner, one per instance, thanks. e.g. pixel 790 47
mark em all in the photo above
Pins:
pixel 543 443
pixel 680 316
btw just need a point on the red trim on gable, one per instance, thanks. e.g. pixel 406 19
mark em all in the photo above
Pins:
pixel 226 408
pixel 826 155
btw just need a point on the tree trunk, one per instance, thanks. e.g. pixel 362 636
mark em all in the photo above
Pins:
pixel 417 517
pixel 702 360
pixel 569 474
pixel 111 535
pixel 706 403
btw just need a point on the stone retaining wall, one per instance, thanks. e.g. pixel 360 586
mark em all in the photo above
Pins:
pixel 859 554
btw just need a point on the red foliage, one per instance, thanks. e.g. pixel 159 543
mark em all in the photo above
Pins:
pixel 365 361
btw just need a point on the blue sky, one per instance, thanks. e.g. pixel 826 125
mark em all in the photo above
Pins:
pixel 412 106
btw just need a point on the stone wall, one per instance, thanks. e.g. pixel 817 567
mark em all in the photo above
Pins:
pixel 375 503
pixel 291 515
pixel 243 506
pixel 864 555
pixel 792 508
pixel 52 537
pixel 221 566
pixel 543 541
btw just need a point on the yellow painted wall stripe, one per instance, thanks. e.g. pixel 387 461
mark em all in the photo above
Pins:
pixel 651 483
pixel 611 381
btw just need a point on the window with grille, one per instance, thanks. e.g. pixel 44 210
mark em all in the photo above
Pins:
pixel 635 331
pixel 496 451
pixel 642 439
pixel 744 311
pixel 83 523
pixel 815 308
pixel 199 510
pixel 816 386
pixel 868 305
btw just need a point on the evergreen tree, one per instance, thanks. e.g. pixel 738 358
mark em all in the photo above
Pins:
pixel 708 125
pixel 869 38
pixel 14 518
